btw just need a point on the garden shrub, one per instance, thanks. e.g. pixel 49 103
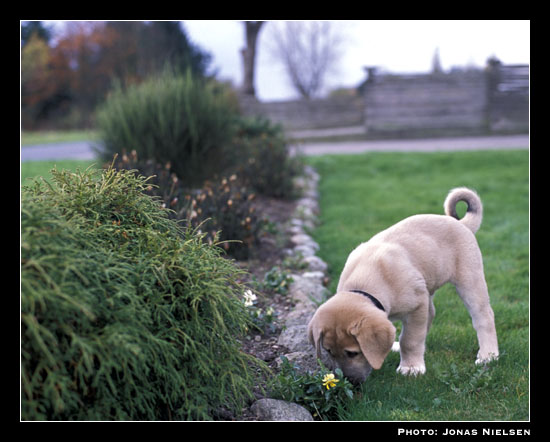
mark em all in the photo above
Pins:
pixel 173 119
pixel 226 206
pixel 124 314
pixel 222 208
pixel 257 126
pixel 265 160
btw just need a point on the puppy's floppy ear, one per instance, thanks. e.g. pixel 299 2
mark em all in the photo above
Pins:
pixel 375 336
pixel 315 335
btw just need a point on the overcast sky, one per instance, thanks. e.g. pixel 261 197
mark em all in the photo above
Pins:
pixel 396 46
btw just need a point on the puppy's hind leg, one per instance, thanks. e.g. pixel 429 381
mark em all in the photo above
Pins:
pixel 431 311
pixel 473 292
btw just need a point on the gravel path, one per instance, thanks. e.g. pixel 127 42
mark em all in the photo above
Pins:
pixel 75 150
pixel 419 145
pixel 82 150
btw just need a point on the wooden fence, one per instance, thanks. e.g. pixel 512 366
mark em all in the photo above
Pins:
pixel 309 114
pixel 492 100
pixel 412 103
pixel 509 98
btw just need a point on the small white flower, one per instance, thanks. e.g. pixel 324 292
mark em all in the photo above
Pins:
pixel 269 311
pixel 249 298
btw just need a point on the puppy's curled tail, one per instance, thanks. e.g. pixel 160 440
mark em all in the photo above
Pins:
pixel 474 213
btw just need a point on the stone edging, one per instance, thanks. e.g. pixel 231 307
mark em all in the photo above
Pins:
pixel 306 290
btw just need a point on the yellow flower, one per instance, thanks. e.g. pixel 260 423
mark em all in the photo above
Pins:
pixel 329 381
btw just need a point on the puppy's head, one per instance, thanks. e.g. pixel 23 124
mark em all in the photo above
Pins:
pixel 357 335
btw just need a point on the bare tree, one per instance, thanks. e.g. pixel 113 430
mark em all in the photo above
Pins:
pixel 252 29
pixel 309 52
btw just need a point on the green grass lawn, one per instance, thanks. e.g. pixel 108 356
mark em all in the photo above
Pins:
pixel 31 169
pixel 57 136
pixel 363 194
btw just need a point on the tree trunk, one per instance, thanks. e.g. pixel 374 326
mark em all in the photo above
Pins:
pixel 252 28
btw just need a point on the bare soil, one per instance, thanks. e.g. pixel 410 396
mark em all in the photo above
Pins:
pixel 269 253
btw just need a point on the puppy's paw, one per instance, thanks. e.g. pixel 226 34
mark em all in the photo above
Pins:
pixel 486 359
pixel 411 371
pixel 395 347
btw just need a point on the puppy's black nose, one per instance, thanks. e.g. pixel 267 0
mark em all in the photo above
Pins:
pixel 357 380
pixel 357 377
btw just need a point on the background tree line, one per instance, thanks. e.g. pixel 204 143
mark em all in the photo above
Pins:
pixel 63 79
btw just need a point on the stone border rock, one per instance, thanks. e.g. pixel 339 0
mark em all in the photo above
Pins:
pixel 277 410
pixel 307 291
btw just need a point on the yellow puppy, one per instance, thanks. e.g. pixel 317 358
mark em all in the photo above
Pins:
pixel 394 276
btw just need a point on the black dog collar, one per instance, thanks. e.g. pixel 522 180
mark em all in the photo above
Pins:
pixel 375 301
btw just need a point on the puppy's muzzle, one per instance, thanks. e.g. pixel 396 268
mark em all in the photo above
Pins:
pixel 355 376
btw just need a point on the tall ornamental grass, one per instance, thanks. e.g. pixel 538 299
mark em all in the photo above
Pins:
pixel 172 118
pixel 124 314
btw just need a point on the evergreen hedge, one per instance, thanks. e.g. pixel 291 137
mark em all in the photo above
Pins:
pixel 124 314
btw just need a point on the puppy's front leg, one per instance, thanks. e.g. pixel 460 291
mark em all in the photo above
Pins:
pixel 412 342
